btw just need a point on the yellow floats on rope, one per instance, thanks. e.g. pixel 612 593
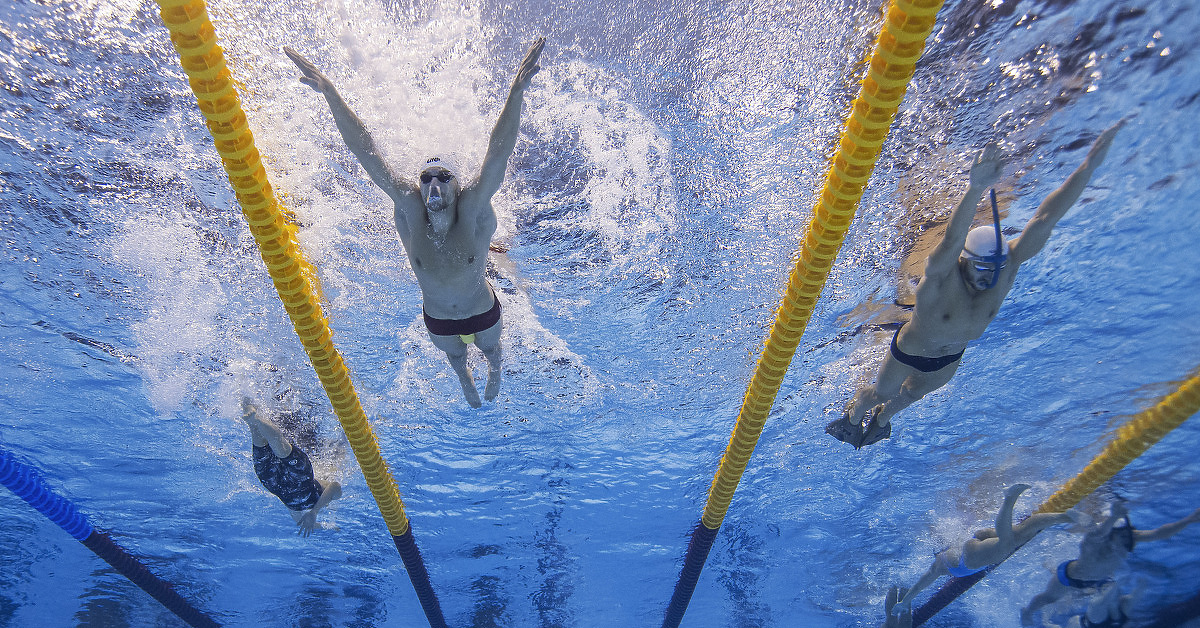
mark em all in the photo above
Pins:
pixel 901 42
pixel 203 60
pixel 1134 438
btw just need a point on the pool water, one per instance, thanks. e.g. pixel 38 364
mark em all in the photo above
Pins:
pixel 667 166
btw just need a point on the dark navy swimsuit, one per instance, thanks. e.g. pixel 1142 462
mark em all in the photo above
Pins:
pixel 290 479
pixel 465 326
pixel 923 364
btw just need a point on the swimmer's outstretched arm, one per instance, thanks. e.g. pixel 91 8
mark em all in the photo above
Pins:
pixel 1167 531
pixel 1037 231
pixel 354 133
pixel 504 135
pixel 984 172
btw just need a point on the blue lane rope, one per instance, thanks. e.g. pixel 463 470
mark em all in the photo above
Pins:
pixel 693 563
pixel 415 565
pixel 25 482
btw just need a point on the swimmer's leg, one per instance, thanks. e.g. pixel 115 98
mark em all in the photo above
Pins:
pixel 891 377
pixel 488 342
pixel 936 570
pixel 916 384
pixel 1004 526
pixel 263 432
pixel 1054 590
pixel 456 353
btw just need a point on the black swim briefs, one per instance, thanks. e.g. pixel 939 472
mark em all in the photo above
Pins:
pixel 464 326
pixel 290 479
pixel 1075 583
pixel 923 364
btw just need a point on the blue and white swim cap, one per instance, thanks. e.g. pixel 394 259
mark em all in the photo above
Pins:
pixel 981 244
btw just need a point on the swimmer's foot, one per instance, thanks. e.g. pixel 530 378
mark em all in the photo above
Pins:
pixel 472 395
pixel 872 431
pixel 1015 490
pixel 493 385
pixel 845 431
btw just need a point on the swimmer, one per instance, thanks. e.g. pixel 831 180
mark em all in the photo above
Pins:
pixel 445 225
pixel 285 471
pixel 966 279
pixel 1108 609
pixel 1102 551
pixel 990 545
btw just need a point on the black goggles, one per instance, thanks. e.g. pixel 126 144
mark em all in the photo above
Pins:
pixel 443 176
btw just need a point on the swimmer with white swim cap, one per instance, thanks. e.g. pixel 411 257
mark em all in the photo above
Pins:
pixel 446 226
pixel 966 278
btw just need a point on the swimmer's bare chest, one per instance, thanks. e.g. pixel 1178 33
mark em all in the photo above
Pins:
pixel 948 316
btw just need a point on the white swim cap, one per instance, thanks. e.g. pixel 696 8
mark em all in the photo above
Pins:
pixel 438 162
pixel 981 243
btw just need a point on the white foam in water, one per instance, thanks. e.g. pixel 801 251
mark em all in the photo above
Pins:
pixel 629 194
pixel 182 299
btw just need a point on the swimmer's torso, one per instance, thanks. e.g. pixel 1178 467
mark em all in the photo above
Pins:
pixel 948 314
pixel 449 270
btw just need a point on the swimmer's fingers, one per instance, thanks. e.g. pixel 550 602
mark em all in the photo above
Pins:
pixel 1101 145
pixel 306 523
pixel 529 65
pixel 535 51
pixel 987 166
pixel 312 76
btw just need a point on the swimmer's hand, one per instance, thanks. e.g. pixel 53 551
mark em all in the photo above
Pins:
pixel 986 168
pixel 529 66
pixel 312 76
pixel 896 615
pixel 306 523
pixel 1100 147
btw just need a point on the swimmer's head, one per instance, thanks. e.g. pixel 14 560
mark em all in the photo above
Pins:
pixel 1123 534
pixel 439 185
pixel 981 260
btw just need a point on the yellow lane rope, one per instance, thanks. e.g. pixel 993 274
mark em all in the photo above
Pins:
pixel 1135 437
pixel 901 41
pixel 1132 440
pixel 203 60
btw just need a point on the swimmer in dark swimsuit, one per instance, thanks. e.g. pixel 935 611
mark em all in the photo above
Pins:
pixel 967 276
pixel 1102 551
pixel 1107 609
pixel 990 545
pixel 446 225
pixel 285 471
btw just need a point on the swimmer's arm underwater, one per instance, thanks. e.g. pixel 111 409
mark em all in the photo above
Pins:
pixel 984 171
pixel 354 133
pixel 504 135
pixel 308 520
pixel 1167 531
pixel 1037 231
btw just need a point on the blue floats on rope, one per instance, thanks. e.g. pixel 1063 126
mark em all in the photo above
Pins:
pixel 697 553
pixel 419 576
pixel 25 481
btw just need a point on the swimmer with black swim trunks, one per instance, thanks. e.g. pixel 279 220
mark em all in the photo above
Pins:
pixel 967 276
pixel 990 545
pixel 446 226
pixel 285 470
